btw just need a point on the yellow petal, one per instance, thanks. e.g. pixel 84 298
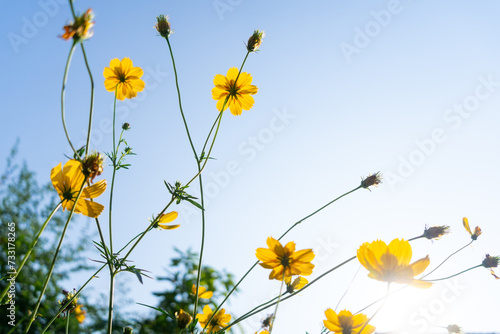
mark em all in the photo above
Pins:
pixel 421 284
pixel 72 175
pixel 89 209
pixel 304 255
pixel 56 177
pixel 232 73
pixel 126 65
pixel 168 217
pixel 94 190
pixel 466 225
pixel 402 250
pixel 419 266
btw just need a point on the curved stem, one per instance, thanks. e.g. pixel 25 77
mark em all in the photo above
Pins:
pixel 63 93
pixel 277 304
pixel 33 244
pixel 460 273
pixel 211 130
pixel 202 246
pixel 91 113
pixel 433 270
pixel 52 265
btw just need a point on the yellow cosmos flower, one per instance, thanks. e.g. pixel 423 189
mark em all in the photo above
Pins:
pixel 237 92
pixel 67 182
pixel 123 77
pixel 347 323
pixel 285 259
pixel 202 292
pixel 79 313
pixel 391 263
pixel 297 284
pixel 165 219
pixel 219 321
pixel 477 230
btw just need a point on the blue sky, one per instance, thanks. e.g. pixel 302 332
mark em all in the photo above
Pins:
pixel 408 88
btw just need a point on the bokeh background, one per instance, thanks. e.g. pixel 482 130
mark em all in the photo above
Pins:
pixel 408 88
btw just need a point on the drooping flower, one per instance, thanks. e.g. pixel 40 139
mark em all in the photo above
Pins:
pixel 346 323
pixel 202 292
pixel 234 91
pixel 123 77
pixel 80 30
pixel 297 284
pixel 67 182
pixel 285 259
pixel 68 295
pixel 436 232
pixel 491 262
pixel 163 26
pixel 255 40
pixel 165 219
pixel 391 263
pixel 92 166
pixel 219 321
pixel 79 313
pixel 183 319
pixel 371 180
pixel 454 329
pixel 477 230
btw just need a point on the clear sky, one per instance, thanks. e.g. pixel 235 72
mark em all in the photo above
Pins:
pixel 408 88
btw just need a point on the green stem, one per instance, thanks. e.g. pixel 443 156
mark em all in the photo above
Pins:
pixel 271 326
pixel 32 246
pixel 111 301
pixel 297 223
pixel 202 246
pixel 460 273
pixel 67 322
pixel 63 93
pixel 52 265
pixel 433 270
pixel 91 113
pixel 77 293
pixel 211 130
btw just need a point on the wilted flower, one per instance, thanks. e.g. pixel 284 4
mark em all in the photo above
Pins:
pixel 436 232
pixel 297 284
pixel 285 260
pixel 372 180
pixel 233 93
pixel 391 263
pixel 163 26
pixel 92 166
pixel 491 262
pixel 219 321
pixel 80 29
pixel 124 78
pixel 346 323
pixel 183 319
pixel 477 230
pixel 454 329
pixel 67 182
pixel 67 297
pixel 255 40
pixel 202 292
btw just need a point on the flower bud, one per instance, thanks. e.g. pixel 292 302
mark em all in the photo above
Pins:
pixel 372 180
pixel 128 330
pixel 92 166
pixel 80 29
pixel 183 319
pixel 436 232
pixel 163 26
pixel 126 126
pixel 255 40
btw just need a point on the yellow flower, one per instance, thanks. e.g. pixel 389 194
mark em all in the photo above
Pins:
pixel 391 263
pixel 123 77
pixel 165 219
pixel 68 180
pixel 285 259
pixel 263 332
pixel 219 321
pixel 183 319
pixel 297 284
pixel 477 230
pixel 79 313
pixel 202 292
pixel 237 92
pixel 81 29
pixel 347 323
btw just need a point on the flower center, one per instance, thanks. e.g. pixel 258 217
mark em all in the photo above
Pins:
pixel 233 89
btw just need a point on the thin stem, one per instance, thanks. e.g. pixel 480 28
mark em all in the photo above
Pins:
pixel 52 265
pixel 63 93
pixel 91 113
pixel 460 273
pixel 374 314
pixel 179 98
pixel 115 156
pixel 297 223
pixel 111 301
pixel 67 322
pixel 277 304
pixel 202 246
pixel 348 287
pixel 71 300
pixel 433 270
pixel 210 132
pixel 32 246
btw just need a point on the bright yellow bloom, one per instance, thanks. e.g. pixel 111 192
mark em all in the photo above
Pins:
pixel 79 313
pixel 219 321
pixel 202 292
pixel 477 230
pixel 347 323
pixel 165 219
pixel 68 180
pixel 238 93
pixel 297 284
pixel 123 77
pixel 263 332
pixel 80 29
pixel 391 263
pixel 285 259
